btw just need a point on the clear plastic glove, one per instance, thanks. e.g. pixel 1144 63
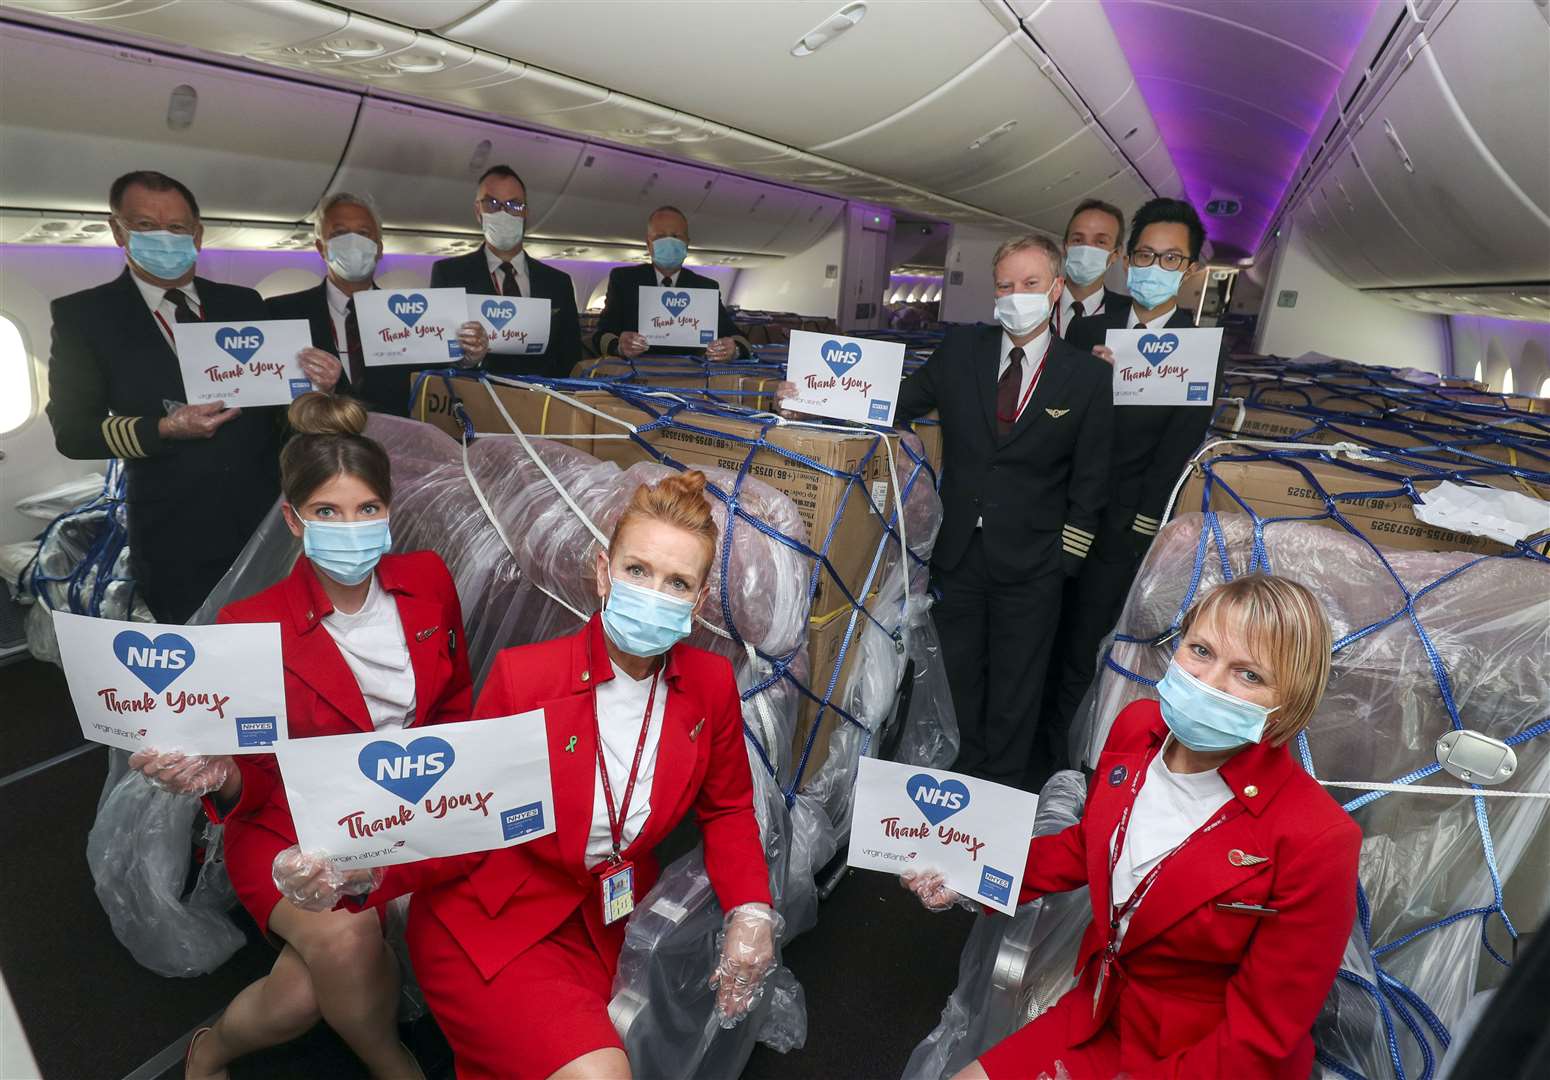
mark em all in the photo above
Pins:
pixel 315 883
pixel 931 887
pixel 183 774
pixel 632 344
pixel 195 421
pixel 321 368
pixel 747 955
pixel 475 342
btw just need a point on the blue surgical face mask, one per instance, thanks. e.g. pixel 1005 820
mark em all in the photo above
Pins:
pixel 352 256
pixel 669 253
pixel 347 551
pixel 1204 718
pixel 163 254
pixel 1085 264
pixel 645 622
pixel 1152 286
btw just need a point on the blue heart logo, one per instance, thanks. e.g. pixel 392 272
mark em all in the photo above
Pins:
pixel 1155 349
pixel 241 344
pixel 407 771
pixel 155 663
pixel 675 302
pixel 408 309
pixel 840 358
pixel 937 799
pixel 498 313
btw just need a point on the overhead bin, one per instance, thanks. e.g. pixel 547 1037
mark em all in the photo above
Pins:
pixel 1464 179
pixel 420 14
pixel 1125 189
pixel 1397 252
pixel 232 136
pixel 899 53
pixel 746 215
pixel 1001 114
pixel 1069 171
pixel 611 191
pixel 421 165
pixel 227 26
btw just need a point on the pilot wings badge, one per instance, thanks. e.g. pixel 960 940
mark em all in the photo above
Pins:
pixel 1056 414
pixel 1238 857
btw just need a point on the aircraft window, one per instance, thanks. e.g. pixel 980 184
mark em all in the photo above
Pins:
pixel 1544 388
pixel 1507 386
pixel 18 396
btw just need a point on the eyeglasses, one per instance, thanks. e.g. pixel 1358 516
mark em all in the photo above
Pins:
pixel 1168 260
pixel 492 205
pixel 177 228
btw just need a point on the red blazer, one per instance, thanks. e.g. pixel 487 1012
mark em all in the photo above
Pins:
pixel 1206 992
pixel 321 694
pixel 498 904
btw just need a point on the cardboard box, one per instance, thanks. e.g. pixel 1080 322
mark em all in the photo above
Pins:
pixel 715 442
pixel 929 428
pixel 1278 489
pixel 824 638
pixel 752 390
pixel 536 412
pixel 1304 395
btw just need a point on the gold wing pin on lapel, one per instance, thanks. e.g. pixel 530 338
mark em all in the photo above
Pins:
pixel 1056 414
pixel 1239 857
pixel 425 634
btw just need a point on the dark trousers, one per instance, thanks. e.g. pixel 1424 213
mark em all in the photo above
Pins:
pixel 174 590
pixel 996 639
pixel 1090 608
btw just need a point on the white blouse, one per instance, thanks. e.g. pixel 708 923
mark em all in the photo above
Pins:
pixel 621 706
pixel 1168 808
pixel 373 644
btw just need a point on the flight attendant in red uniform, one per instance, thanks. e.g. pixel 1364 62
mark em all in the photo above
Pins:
pixel 516 949
pixel 370 641
pixel 1222 876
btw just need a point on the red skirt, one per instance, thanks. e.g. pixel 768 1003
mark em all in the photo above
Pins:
pixel 1038 1051
pixel 249 851
pixel 547 1007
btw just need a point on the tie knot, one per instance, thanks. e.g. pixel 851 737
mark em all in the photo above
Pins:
pixel 506 268
pixel 179 301
pixel 1016 355
pixel 1076 308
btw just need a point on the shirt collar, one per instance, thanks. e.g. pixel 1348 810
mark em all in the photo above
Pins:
pixel 1254 774
pixel 672 279
pixel 493 261
pixel 338 300
pixel 1034 349
pixel 1135 323
pixel 593 665
pixel 156 295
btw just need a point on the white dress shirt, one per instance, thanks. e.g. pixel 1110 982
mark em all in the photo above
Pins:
pixel 1033 355
pixel 338 311
pixel 156 299
pixel 666 280
pixel 1093 305
pixel 374 647
pixel 621 706
pixel 1168 808
pixel 518 266
pixel 1157 322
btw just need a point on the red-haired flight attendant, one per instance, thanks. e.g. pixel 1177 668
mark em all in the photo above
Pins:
pixel 516 949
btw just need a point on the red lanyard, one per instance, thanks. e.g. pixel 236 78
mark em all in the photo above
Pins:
pixel 616 818
pixel 1032 384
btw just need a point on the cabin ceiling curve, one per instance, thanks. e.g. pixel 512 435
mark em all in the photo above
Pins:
pixel 957 111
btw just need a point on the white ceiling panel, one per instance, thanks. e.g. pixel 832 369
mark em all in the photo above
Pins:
pixel 421 165
pixel 1000 115
pixel 611 192
pixel 421 14
pixel 230 135
pixel 731 61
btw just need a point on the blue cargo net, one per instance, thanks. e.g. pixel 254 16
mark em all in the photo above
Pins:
pixel 84 587
pixel 1375 472
pixel 686 409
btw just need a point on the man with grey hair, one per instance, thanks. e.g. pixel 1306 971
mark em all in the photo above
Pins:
pixel 1026 430
pixel 347 233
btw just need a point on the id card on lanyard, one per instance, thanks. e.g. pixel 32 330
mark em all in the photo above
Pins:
pixel 1117 911
pixel 616 876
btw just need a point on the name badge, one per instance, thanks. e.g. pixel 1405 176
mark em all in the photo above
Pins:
pixel 618 884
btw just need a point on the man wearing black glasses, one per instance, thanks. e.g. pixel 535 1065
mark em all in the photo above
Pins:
pixel 500 267
pixel 1151 446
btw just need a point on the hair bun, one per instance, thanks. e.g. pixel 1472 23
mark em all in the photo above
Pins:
pixel 689 485
pixel 317 413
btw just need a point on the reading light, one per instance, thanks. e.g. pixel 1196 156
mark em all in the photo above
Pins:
pixel 831 28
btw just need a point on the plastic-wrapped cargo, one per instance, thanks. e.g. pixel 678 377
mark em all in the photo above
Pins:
pixel 1012 969
pixel 1426 642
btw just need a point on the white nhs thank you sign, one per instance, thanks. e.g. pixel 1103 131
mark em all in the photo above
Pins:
pixel 199 689
pixel 679 318
pixel 1164 367
pixel 256 363
pixel 415 326
pixel 974 832
pixel 844 378
pixel 395 796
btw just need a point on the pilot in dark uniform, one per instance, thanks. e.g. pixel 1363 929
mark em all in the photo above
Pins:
pixel 501 268
pixel 1026 431
pixel 200 477
pixel 1152 444
pixel 1093 237
pixel 667 238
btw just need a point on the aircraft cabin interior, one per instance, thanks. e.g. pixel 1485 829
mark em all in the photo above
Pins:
pixel 1330 218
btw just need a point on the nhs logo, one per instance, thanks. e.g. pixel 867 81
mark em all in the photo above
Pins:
pixel 157 664
pixel 408 309
pixel 937 799
pixel 407 771
pixel 840 356
pixel 241 344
